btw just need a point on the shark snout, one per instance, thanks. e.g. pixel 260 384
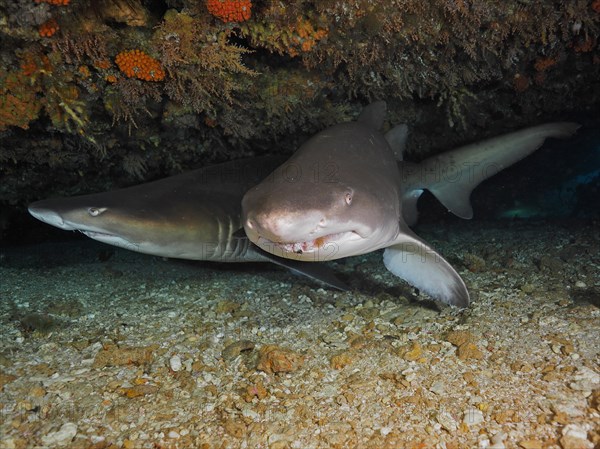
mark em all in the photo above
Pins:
pixel 47 216
pixel 285 227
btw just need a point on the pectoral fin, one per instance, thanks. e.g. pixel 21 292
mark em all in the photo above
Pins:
pixel 416 262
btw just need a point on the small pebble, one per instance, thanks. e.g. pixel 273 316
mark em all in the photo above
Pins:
pixel 574 437
pixel 414 353
pixel 484 442
pixel 447 421
pixel 173 435
pixel 61 437
pixel 498 441
pixel 474 263
pixel 438 387
pixel 175 363
pixel 9 443
pixel 527 288
pixel 247 412
pixel 386 430
pixel 274 359
pixel 531 444
pixel 233 350
pixel 585 380
pixel 473 416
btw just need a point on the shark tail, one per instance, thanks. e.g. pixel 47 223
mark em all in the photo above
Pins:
pixel 421 266
pixel 452 176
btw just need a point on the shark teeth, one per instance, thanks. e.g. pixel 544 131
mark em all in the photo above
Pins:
pixel 309 245
pixel 298 247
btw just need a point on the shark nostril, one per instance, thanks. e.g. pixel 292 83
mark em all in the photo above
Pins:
pixel 322 222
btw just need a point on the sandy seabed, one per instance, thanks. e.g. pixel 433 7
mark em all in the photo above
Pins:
pixel 104 348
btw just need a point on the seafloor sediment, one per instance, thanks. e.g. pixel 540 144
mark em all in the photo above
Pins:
pixel 104 348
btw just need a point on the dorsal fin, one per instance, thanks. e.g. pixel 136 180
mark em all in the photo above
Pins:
pixel 373 115
pixel 397 137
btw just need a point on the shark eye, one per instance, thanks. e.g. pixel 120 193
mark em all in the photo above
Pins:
pixel 95 211
pixel 348 197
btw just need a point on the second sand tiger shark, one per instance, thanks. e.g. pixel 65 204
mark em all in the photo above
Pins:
pixel 347 191
pixel 193 216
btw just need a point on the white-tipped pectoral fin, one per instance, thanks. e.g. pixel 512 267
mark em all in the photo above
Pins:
pixel 414 261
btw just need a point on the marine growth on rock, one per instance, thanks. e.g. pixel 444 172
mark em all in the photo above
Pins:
pixel 230 10
pixel 137 64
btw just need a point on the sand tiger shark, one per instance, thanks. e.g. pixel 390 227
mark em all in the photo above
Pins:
pixel 347 191
pixel 194 216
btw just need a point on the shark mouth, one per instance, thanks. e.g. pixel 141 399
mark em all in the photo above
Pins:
pixel 327 244
pixel 95 234
pixel 111 239
pixel 309 245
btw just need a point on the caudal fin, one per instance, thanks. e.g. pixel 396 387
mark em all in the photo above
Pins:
pixel 421 266
pixel 452 176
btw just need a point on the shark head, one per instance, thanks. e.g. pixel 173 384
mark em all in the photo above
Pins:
pixel 305 223
pixel 326 203
pixel 159 218
pixel 93 217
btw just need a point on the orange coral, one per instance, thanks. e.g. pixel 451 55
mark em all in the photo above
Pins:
pixel 137 64
pixel 102 64
pixel 585 45
pixel 15 111
pixel 48 28
pixel 32 63
pixel 230 10
pixel 307 35
pixel 85 71
pixel 298 36
pixel 28 66
pixel 55 2
pixel 520 83
pixel 596 6
pixel 19 102
pixel 543 64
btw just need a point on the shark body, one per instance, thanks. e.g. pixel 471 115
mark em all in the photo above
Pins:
pixel 193 216
pixel 346 192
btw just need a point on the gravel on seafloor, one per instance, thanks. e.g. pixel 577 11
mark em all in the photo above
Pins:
pixel 121 350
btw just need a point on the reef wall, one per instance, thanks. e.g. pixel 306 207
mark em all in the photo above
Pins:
pixel 111 92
